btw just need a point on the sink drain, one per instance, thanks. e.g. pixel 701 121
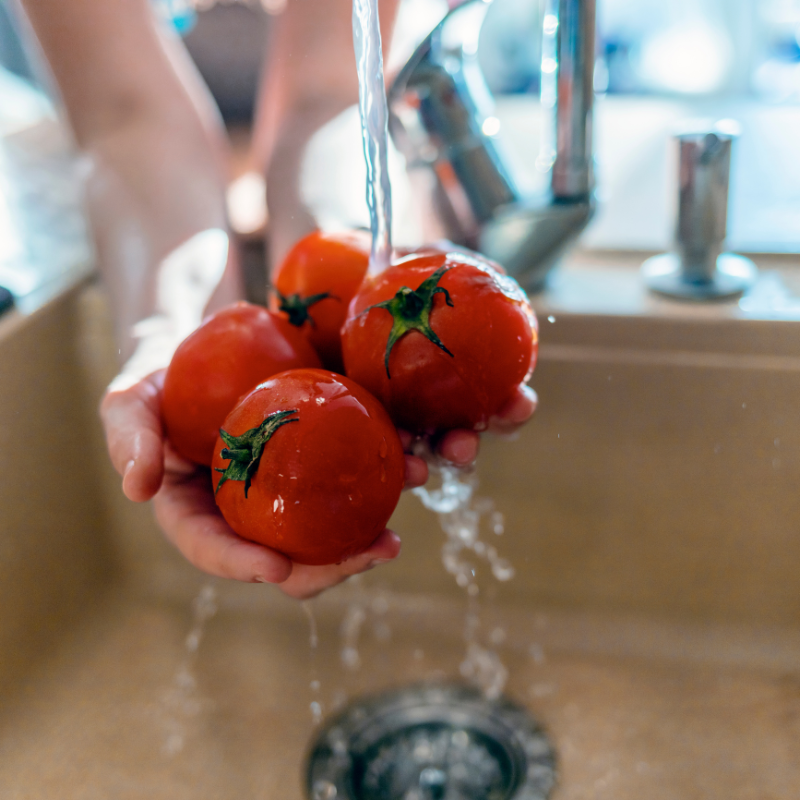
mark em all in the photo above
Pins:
pixel 431 743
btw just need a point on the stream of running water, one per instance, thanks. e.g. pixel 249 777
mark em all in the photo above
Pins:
pixel 374 128
pixel 181 703
pixel 460 514
pixel 314 683
pixel 450 493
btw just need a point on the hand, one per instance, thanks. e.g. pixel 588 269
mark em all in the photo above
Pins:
pixel 185 507
pixel 461 446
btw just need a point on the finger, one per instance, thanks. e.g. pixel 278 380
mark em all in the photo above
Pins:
pixel 406 439
pixel 176 464
pixel 135 438
pixel 459 447
pixel 517 411
pixel 416 472
pixel 190 519
pixel 307 581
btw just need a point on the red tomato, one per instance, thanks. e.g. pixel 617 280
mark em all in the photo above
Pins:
pixel 230 353
pixel 314 285
pixel 449 353
pixel 309 464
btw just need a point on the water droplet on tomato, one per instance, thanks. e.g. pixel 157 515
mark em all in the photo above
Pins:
pixel 383 474
pixel 383 449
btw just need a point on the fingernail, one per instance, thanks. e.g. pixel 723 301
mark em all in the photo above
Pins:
pixel 259 579
pixel 376 562
pixel 128 468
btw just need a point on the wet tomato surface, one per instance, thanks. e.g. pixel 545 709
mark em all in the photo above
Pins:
pixel 314 284
pixel 443 340
pixel 309 464
pixel 232 351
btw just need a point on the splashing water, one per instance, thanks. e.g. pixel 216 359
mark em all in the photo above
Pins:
pixel 181 702
pixel 460 515
pixel 350 629
pixel 374 128
pixel 314 684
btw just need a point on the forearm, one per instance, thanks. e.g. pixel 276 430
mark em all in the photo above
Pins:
pixel 155 146
pixel 115 65
pixel 147 192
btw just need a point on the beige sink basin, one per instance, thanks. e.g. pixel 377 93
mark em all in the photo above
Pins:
pixel 652 515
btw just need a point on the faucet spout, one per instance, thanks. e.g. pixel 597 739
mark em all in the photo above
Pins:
pixel 440 113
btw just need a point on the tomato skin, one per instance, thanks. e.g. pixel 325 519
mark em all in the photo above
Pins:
pixel 327 484
pixel 490 329
pixel 325 262
pixel 232 351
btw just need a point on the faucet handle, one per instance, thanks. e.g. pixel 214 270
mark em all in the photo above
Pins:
pixel 697 269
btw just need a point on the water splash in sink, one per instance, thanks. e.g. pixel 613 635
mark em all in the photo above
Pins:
pixel 314 683
pixel 462 515
pixel 181 701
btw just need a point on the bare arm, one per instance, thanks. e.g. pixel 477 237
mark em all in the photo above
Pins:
pixel 152 134
pixel 157 183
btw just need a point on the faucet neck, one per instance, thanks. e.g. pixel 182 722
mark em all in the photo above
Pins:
pixel 572 175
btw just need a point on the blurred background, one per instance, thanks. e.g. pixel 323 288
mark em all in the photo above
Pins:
pixel 657 64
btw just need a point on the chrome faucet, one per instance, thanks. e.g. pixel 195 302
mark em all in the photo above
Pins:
pixel 440 117
pixel 697 269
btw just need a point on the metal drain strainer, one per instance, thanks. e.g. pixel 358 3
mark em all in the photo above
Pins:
pixel 431 743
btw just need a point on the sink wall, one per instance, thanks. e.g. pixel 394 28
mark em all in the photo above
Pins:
pixel 659 476
pixel 55 551
pixel 651 625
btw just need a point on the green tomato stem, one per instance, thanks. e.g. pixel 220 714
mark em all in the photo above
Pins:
pixel 411 311
pixel 244 452
pixel 296 307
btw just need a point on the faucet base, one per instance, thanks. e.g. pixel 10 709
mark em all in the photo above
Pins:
pixel 528 239
pixel 732 276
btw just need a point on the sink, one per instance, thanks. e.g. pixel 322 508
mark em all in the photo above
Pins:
pixel 652 627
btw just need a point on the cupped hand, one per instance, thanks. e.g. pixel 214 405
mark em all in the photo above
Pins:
pixel 461 446
pixel 189 517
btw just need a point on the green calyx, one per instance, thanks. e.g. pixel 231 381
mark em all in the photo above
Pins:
pixel 244 452
pixel 296 307
pixel 411 311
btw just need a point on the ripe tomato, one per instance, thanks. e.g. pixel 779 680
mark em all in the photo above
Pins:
pixel 447 354
pixel 309 464
pixel 314 285
pixel 233 350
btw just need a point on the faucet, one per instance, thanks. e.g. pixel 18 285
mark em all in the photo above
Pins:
pixel 440 117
